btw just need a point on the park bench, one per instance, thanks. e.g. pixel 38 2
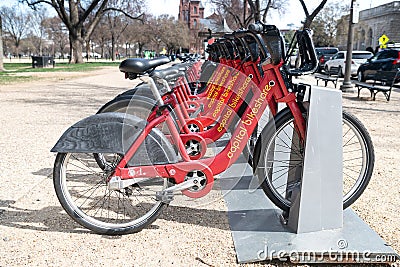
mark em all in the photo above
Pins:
pixel 329 76
pixel 377 86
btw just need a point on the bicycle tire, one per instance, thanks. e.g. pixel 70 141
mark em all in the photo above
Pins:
pixel 352 128
pixel 84 194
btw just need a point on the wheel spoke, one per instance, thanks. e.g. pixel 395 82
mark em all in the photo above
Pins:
pixel 282 157
pixel 86 194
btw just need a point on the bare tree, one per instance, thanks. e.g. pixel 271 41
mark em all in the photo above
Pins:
pixel 37 28
pixel 116 27
pixel 171 33
pixel 176 35
pixel 310 17
pixel 15 24
pixel 232 10
pixel 81 17
pixel 140 34
pixel 101 36
pixel 325 24
pixel 240 13
pixel 57 32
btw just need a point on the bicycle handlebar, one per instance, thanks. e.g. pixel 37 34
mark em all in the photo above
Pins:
pixel 308 57
pixel 265 41
pixel 268 38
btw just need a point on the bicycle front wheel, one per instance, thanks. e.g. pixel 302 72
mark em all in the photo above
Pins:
pixel 82 189
pixel 279 159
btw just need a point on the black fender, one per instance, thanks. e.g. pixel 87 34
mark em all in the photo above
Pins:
pixel 114 133
pixel 123 101
pixel 142 89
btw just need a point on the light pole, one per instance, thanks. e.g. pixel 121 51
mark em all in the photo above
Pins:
pixel 347 86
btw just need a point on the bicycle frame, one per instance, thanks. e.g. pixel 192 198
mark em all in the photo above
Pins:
pixel 217 95
pixel 222 100
pixel 270 91
pixel 110 188
pixel 272 88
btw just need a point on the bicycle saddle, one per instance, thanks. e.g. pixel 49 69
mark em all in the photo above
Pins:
pixel 161 74
pixel 141 65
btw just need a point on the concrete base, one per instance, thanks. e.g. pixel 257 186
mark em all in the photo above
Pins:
pixel 259 235
pixel 347 87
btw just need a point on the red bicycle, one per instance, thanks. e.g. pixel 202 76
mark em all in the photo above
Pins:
pixel 145 167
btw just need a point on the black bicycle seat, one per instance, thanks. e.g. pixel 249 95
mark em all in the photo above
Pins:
pixel 141 65
pixel 165 72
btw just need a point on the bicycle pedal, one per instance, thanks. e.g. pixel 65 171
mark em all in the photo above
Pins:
pixel 284 218
pixel 165 196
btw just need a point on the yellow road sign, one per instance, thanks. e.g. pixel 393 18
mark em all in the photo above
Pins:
pixel 383 40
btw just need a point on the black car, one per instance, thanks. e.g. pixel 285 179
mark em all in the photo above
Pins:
pixel 386 62
pixel 324 54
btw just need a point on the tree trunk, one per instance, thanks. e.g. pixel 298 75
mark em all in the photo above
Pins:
pixel 140 49
pixel 75 34
pixel 88 50
pixel 307 22
pixel 76 42
pixel 17 43
pixel 112 47
pixel 257 15
pixel 40 47
pixel 102 50
pixel 1 46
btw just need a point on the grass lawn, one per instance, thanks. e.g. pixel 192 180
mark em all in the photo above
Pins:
pixel 11 75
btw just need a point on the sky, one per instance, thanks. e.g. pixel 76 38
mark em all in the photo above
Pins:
pixel 294 14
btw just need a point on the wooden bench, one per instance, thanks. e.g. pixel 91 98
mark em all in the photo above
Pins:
pixel 331 76
pixel 375 88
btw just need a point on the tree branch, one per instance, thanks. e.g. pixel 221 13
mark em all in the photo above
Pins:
pixel 140 17
pixel 304 8
pixel 91 8
pixel 252 8
pixel 34 3
pixel 235 17
pixel 96 19
pixel 310 18
pixel 60 9
pixel 318 9
pixel 266 10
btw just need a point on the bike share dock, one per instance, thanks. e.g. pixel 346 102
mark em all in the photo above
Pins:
pixel 318 230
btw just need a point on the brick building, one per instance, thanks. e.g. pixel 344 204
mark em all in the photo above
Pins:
pixel 191 12
pixel 373 23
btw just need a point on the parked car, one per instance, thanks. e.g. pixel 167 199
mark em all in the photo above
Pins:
pixel 324 54
pixel 387 62
pixel 338 62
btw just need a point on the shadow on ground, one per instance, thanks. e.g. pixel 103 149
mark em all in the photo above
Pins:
pixel 54 219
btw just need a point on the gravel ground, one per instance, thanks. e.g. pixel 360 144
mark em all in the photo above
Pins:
pixel 34 230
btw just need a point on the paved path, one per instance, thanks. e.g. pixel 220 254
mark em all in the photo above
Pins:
pixel 34 231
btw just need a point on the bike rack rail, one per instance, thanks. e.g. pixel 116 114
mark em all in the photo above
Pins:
pixel 317 230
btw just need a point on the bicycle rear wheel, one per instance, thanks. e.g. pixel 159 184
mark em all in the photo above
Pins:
pixel 274 165
pixel 82 189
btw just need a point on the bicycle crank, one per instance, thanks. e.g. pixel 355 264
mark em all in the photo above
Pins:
pixel 197 184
